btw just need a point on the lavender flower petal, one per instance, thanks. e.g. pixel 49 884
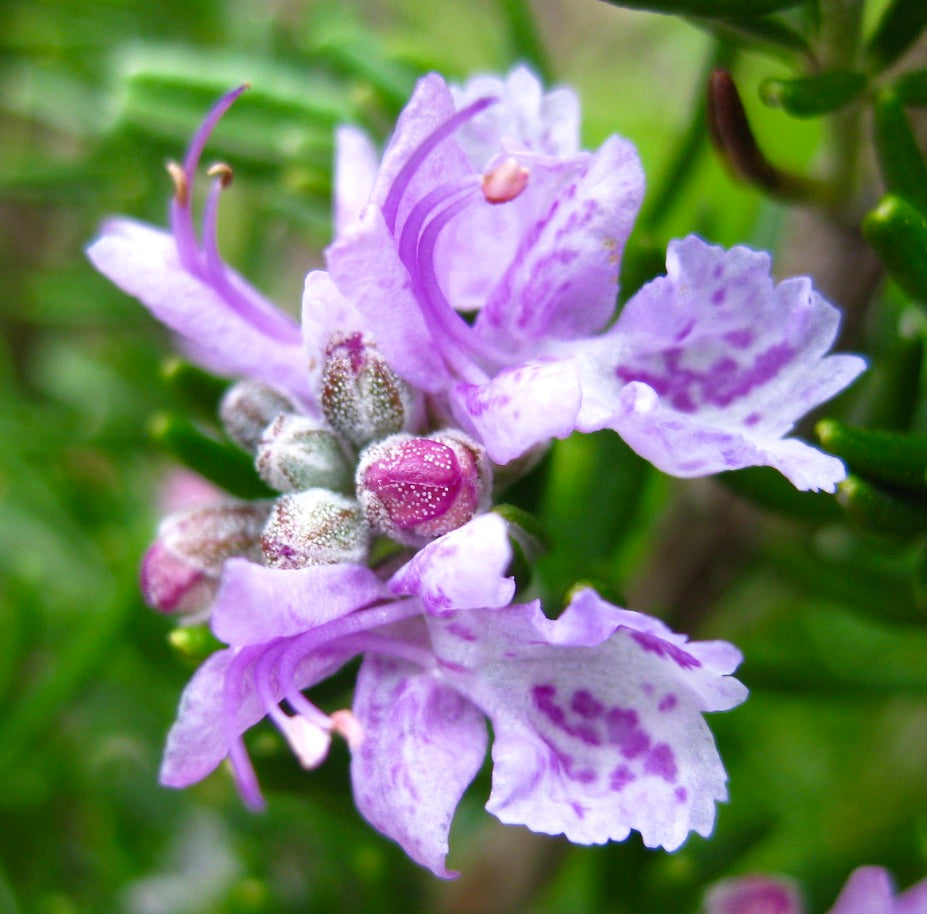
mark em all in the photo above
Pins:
pixel 464 569
pixel 520 407
pixel 257 604
pixel 423 744
pixel 143 262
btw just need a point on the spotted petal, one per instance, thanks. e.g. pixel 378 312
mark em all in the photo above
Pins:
pixel 591 739
pixel 710 366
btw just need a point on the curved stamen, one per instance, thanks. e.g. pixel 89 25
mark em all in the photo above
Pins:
pixel 198 143
pixel 434 299
pixel 181 215
pixel 244 301
pixel 360 620
pixel 457 348
pixel 371 642
pixel 413 163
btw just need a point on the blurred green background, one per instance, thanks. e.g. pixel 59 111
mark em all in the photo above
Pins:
pixel 827 758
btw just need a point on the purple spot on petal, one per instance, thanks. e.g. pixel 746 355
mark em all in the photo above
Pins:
pixel 461 631
pixel 740 339
pixel 662 763
pixel 622 731
pixel 718 297
pixel 667 649
pixel 752 419
pixel 667 703
pixel 684 331
pixel 620 778
pixel 585 705
pixel 579 809
pixel 680 794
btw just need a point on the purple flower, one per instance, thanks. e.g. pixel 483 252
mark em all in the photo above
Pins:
pixel 481 257
pixel 705 370
pixel 597 715
pixel 867 891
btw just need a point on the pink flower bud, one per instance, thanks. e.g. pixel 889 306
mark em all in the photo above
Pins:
pixel 754 895
pixel 315 527
pixel 180 571
pixel 247 408
pixel 362 397
pixel 416 489
pixel 295 454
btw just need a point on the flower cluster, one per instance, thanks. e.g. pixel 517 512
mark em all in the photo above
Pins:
pixel 462 323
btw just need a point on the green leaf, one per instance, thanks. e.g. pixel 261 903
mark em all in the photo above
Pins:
pixel 829 652
pixel 285 116
pixel 769 33
pixel 880 511
pixel 226 465
pixel 898 233
pixel 898 29
pixel 912 87
pixel 813 95
pixel 899 155
pixel 524 41
pixel 889 457
pixel 196 389
pixel 717 9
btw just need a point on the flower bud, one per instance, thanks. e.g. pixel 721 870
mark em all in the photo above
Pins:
pixel 180 571
pixel 416 489
pixel 362 397
pixel 295 454
pixel 247 408
pixel 315 527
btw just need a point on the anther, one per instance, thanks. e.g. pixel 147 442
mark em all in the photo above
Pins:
pixel 505 182
pixel 181 187
pixel 223 172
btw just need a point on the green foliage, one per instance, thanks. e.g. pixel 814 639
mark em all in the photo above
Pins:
pixel 813 95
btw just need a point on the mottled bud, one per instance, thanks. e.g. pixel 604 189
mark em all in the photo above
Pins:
pixel 180 572
pixel 247 408
pixel 415 489
pixel 295 454
pixel 315 527
pixel 505 182
pixel 363 398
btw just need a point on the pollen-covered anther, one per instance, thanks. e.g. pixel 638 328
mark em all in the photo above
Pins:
pixel 362 397
pixel 315 527
pixel 505 182
pixel 295 454
pixel 180 571
pixel 181 185
pixel 415 489
pixel 223 172
pixel 247 408
pixel 346 725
